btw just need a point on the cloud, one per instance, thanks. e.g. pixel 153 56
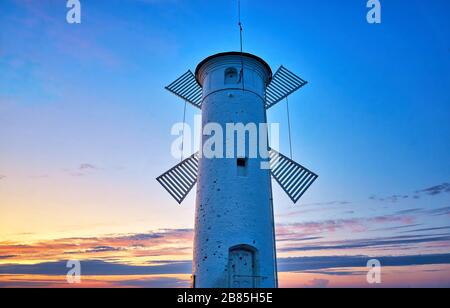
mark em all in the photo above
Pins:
pixel 302 264
pixel 436 190
pixel 393 198
pixel 368 243
pixel 299 239
pixel 443 211
pixel 315 207
pixel 85 167
pixel 427 229
pixel 328 203
pixel 318 283
pixel 166 242
pixel 297 264
pixel 2 177
pixel 330 226
pixel 154 282
pixel 102 282
pixel 396 228
pixel 27 284
pixel 336 272
pixel 103 249
pixel 409 211
pixel 431 191
pixel 82 170
pixel 7 257
pixel 97 268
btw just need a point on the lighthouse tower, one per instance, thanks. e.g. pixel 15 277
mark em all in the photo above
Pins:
pixel 234 228
pixel 234 243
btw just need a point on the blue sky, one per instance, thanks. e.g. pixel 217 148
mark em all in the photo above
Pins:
pixel 85 121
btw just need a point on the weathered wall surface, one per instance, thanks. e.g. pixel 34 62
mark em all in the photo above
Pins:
pixel 233 208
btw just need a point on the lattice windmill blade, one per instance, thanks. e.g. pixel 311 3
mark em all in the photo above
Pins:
pixel 180 180
pixel 293 178
pixel 283 84
pixel 187 88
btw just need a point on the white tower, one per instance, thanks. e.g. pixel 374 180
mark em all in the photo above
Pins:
pixel 234 245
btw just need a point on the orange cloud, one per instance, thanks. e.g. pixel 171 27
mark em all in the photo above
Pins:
pixel 141 247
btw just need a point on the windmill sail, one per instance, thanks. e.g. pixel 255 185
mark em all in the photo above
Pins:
pixel 180 180
pixel 283 84
pixel 187 88
pixel 293 178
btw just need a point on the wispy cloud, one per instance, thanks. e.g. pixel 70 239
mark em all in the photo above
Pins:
pixel 333 262
pixel 436 190
pixel 318 283
pixel 151 281
pixel 441 211
pixel 352 224
pixel 149 256
pixel 397 242
pixel 397 228
pixel 154 282
pixel 430 191
pixel 316 207
pixel 296 264
pixel 166 242
pixel 427 229
pixel 87 167
pixel 7 257
pixel 97 268
pixel 444 211
pixel 103 249
pixel 393 198
pixel 82 170
pixel 328 203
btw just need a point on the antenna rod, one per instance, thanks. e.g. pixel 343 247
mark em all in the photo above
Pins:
pixel 241 75
pixel 240 23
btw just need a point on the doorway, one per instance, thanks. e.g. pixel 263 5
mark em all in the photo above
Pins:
pixel 242 267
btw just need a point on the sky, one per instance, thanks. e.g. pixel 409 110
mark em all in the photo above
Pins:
pixel 85 128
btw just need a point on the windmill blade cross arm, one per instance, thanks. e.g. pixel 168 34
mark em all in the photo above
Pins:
pixel 293 178
pixel 180 180
pixel 283 84
pixel 187 88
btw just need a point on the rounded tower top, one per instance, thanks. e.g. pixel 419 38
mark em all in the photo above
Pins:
pixel 224 57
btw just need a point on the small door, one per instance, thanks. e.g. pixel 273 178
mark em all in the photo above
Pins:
pixel 242 268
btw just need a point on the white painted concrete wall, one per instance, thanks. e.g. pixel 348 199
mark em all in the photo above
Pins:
pixel 233 210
